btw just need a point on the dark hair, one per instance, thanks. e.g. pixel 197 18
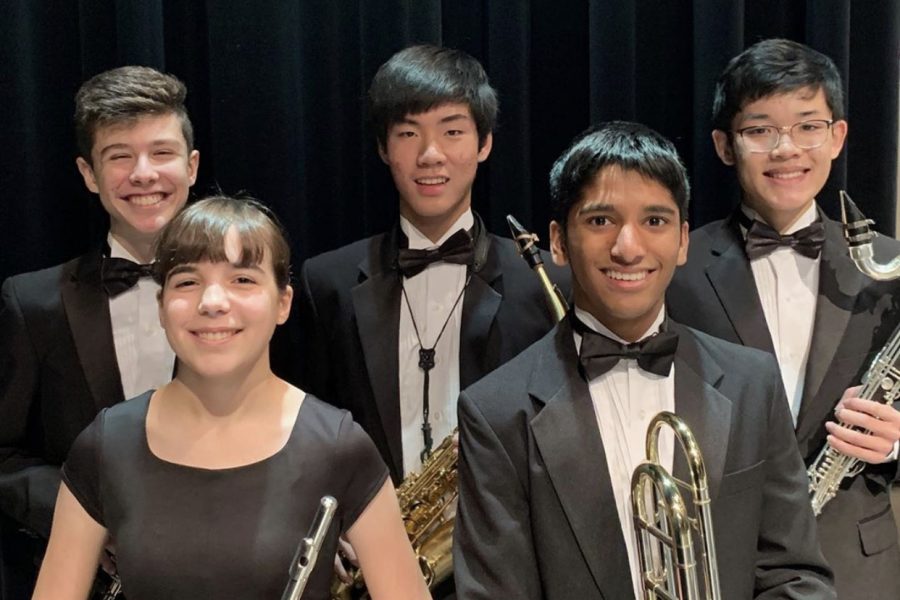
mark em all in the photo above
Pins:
pixel 630 146
pixel 770 67
pixel 198 233
pixel 123 95
pixel 420 78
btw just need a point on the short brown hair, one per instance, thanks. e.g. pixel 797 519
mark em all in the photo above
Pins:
pixel 123 95
pixel 198 233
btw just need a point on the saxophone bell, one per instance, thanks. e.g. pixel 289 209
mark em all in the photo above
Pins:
pixel 674 565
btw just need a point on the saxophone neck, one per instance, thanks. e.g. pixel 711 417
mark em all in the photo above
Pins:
pixel 859 236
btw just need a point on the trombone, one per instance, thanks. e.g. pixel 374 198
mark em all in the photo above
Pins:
pixel 665 529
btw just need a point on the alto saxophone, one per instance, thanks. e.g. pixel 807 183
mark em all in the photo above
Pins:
pixel 881 383
pixel 424 498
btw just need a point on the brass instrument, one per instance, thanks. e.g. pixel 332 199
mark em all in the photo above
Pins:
pixel 526 243
pixel 665 528
pixel 308 550
pixel 881 382
pixel 423 498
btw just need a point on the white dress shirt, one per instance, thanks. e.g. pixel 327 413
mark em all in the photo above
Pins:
pixel 787 284
pixel 143 353
pixel 431 295
pixel 625 399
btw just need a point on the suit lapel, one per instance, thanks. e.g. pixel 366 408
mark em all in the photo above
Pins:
pixel 729 273
pixel 376 304
pixel 840 283
pixel 699 403
pixel 87 311
pixel 480 305
pixel 566 434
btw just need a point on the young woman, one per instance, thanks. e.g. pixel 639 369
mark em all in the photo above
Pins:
pixel 207 484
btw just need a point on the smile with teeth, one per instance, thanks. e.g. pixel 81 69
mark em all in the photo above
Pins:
pixel 432 180
pixel 145 199
pixel 215 336
pixel 619 275
pixel 786 174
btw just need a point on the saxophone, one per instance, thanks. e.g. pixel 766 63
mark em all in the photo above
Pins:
pixel 526 244
pixel 881 383
pixel 424 498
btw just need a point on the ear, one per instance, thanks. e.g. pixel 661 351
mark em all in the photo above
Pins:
pixel 193 165
pixel 284 305
pixel 558 245
pixel 87 173
pixel 723 146
pixel 838 135
pixel 683 247
pixel 485 149
pixel 382 152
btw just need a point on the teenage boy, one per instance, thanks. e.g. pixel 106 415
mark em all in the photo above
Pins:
pixel 395 325
pixel 85 334
pixel 777 276
pixel 549 441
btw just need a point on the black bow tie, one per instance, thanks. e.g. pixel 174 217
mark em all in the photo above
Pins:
pixel 120 274
pixel 762 240
pixel 599 353
pixel 457 249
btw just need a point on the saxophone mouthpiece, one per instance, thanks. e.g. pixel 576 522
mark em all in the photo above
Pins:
pixel 526 242
pixel 857 230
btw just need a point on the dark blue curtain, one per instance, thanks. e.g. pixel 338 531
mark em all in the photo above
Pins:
pixel 276 93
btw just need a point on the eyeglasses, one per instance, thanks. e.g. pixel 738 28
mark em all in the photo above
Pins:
pixel 805 134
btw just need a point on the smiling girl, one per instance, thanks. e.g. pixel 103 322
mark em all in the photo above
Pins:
pixel 208 483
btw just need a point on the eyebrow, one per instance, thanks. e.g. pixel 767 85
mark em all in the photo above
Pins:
pixel 604 207
pixel 759 116
pixel 154 143
pixel 191 268
pixel 448 119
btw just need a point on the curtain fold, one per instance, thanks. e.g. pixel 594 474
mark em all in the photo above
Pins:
pixel 277 96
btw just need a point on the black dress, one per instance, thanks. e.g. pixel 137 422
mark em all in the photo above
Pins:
pixel 192 533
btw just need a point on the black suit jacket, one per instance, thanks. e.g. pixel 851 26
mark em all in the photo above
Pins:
pixel 537 516
pixel 716 292
pixel 347 320
pixel 57 370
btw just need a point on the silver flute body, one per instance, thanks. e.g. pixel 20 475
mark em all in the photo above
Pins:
pixel 881 383
pixel 308 550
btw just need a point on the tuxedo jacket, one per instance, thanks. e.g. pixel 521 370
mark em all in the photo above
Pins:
pixel 348 316
pixel 537 517
pixel 58 368
pixel 716 292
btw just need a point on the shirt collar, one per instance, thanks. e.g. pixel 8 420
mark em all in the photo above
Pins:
pixel 807 218
pixel 589 320
pixel 117 250
pixel 419 241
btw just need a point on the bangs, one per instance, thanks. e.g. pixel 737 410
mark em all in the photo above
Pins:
pixel 201 231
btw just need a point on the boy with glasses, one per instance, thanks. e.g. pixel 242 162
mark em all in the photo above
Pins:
pixel 777 276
